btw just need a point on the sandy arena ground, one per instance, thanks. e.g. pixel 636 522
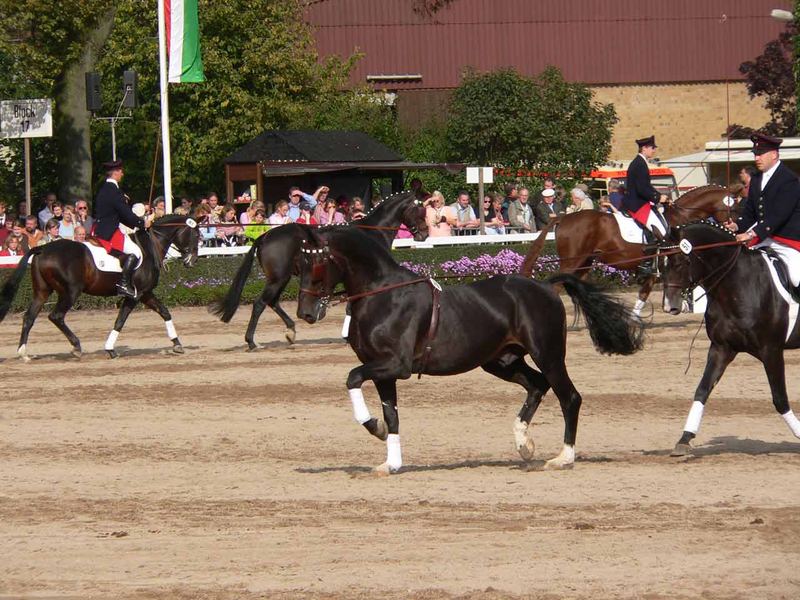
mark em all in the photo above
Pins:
pixel 227 474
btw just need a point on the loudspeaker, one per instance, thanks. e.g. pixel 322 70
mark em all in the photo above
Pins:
pixel 129 79
pixel 94 101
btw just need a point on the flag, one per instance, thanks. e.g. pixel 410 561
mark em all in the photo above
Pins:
pixel 183 41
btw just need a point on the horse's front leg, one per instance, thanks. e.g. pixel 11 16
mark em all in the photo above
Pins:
pixel 387 389
pixel 776 374
pixel 644 294
pixel 122 316
pixel 718 360
pixel 156 305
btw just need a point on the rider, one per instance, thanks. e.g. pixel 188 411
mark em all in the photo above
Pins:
pixel 110 210
pixel 641 197
pixel 771 213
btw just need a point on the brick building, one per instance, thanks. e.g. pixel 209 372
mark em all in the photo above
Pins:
pixel 670 67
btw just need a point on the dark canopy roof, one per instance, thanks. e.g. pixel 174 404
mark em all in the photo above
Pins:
pixel 313 146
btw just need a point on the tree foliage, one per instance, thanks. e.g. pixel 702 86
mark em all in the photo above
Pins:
pixel 771 77
pixel 545 123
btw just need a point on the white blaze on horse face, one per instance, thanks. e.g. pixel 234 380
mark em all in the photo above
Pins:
pixel 394 455
pixel 112 339
pixel 360 410
pixel 694 418
pixel 171 329
pixel 792 422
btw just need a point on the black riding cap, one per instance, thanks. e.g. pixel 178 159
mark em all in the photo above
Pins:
pixel 764 143
pixel 648 141
pixel 112 165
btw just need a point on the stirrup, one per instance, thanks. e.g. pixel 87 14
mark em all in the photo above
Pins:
pixel 127 291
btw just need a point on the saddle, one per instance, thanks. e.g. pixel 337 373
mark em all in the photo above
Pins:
pixel 103 260
pixel 782 272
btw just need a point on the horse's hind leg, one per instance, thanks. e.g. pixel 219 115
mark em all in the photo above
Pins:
pixel 536 385
pixel 122 316
pixel 718 360
pixel 270 296
pixel 155 304
pixel 56 316
pixel 40 294
pixel 776 374
pixel 570 401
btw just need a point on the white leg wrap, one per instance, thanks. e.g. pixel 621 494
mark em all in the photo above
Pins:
pixel 793 423
pixel 567 454
pixel 694 418
pixel 520 432
pixel 22 351
pixel 637 308
pixel 112 339
pixel 394 456
pixel 346 326
pixel 360 410
pixel 171 329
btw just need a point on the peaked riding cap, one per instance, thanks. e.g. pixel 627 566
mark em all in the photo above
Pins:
pixel 112 165
pixel 648 141
pixel 764 143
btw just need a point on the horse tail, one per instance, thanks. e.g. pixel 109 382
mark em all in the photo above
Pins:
pixel 12 285
pixel 536 248
pixel 225 308
pixel 613 327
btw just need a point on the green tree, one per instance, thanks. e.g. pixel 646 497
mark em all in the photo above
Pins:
pixel 544 123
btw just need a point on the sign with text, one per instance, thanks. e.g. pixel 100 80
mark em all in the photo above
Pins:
pixel 472 174
pixel 26 118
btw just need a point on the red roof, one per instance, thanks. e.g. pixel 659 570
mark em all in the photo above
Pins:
pixel 591 41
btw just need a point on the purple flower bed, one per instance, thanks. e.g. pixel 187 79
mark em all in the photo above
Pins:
pixel 508 262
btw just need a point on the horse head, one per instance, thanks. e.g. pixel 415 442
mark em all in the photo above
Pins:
pixel 696 254
pixel 413 217
pixel 181 232
pixel 402 208
pixel 319 275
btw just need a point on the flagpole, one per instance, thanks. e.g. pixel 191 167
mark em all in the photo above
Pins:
pixel 162 59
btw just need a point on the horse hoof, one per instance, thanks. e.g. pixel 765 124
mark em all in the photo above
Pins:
pixel 385 470
pixel 555 464
pixel 25 358
pixel 112 354
pixel 290 335
pixel 681 450
pixel 251 347
pixel 76 352
pixel 526 450
pixel 178 349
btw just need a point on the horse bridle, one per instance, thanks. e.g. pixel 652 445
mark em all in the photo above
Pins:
pixel 701 281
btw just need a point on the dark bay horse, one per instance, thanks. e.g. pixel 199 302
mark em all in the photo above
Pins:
pixel 745 313
pixel 586 236
pixel 402 324
pixel 278 250
pixel 67 268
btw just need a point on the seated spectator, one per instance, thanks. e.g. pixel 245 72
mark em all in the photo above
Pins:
pixel 18 228
pixel 46 213
pixel 343 206
pixel 3 213
pixel 329 214
pixel 13 246
pixel 82 216
pixel 579 201
pixel 33 233
pixel 306 218
pixel 486 206
pixel 159 208
pixel 8 228
pixel 66 229
pixel 437 216
pixel 58 211
pixel 615 194
pixel 605 205
pixel 50 232
pixel 185 208
pixel 215 208
pixel 465 216
pixel 208 233
pixel 248 215
pixel 322 197
pixel 258 227
pixel 547 208
pixel 520 213
pixel 281 214
pixel 357 209
pixel 496 221
pixel 80 233
pixel 229 232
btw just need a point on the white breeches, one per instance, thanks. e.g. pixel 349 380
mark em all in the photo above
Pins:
pixel 129 247
pixel 788 255
pixel 655 222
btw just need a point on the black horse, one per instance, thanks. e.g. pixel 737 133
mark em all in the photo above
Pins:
pixel 278 250
pixel 745 313
pixel 67 268
pixel 491 324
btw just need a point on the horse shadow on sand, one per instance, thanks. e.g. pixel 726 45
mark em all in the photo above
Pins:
pixel 455 466
pixel 284 345
pixel 734 445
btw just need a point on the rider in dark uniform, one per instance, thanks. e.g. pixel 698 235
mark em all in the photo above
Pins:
pixel 771 213
pixel 110 210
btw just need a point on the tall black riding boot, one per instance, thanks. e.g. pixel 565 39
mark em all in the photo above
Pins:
pixel 125 287
pixel 647 268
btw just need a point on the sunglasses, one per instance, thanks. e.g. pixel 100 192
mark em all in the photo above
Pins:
pixel 82 207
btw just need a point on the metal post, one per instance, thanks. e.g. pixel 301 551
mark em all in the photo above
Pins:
pixel 28 208
pixel 162 59
pixel 480 201
pixel 113 139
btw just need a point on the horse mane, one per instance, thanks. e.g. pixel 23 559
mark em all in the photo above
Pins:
pixel 711 226
pixel 699 191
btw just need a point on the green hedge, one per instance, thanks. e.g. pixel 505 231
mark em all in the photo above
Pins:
pixel 212 276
